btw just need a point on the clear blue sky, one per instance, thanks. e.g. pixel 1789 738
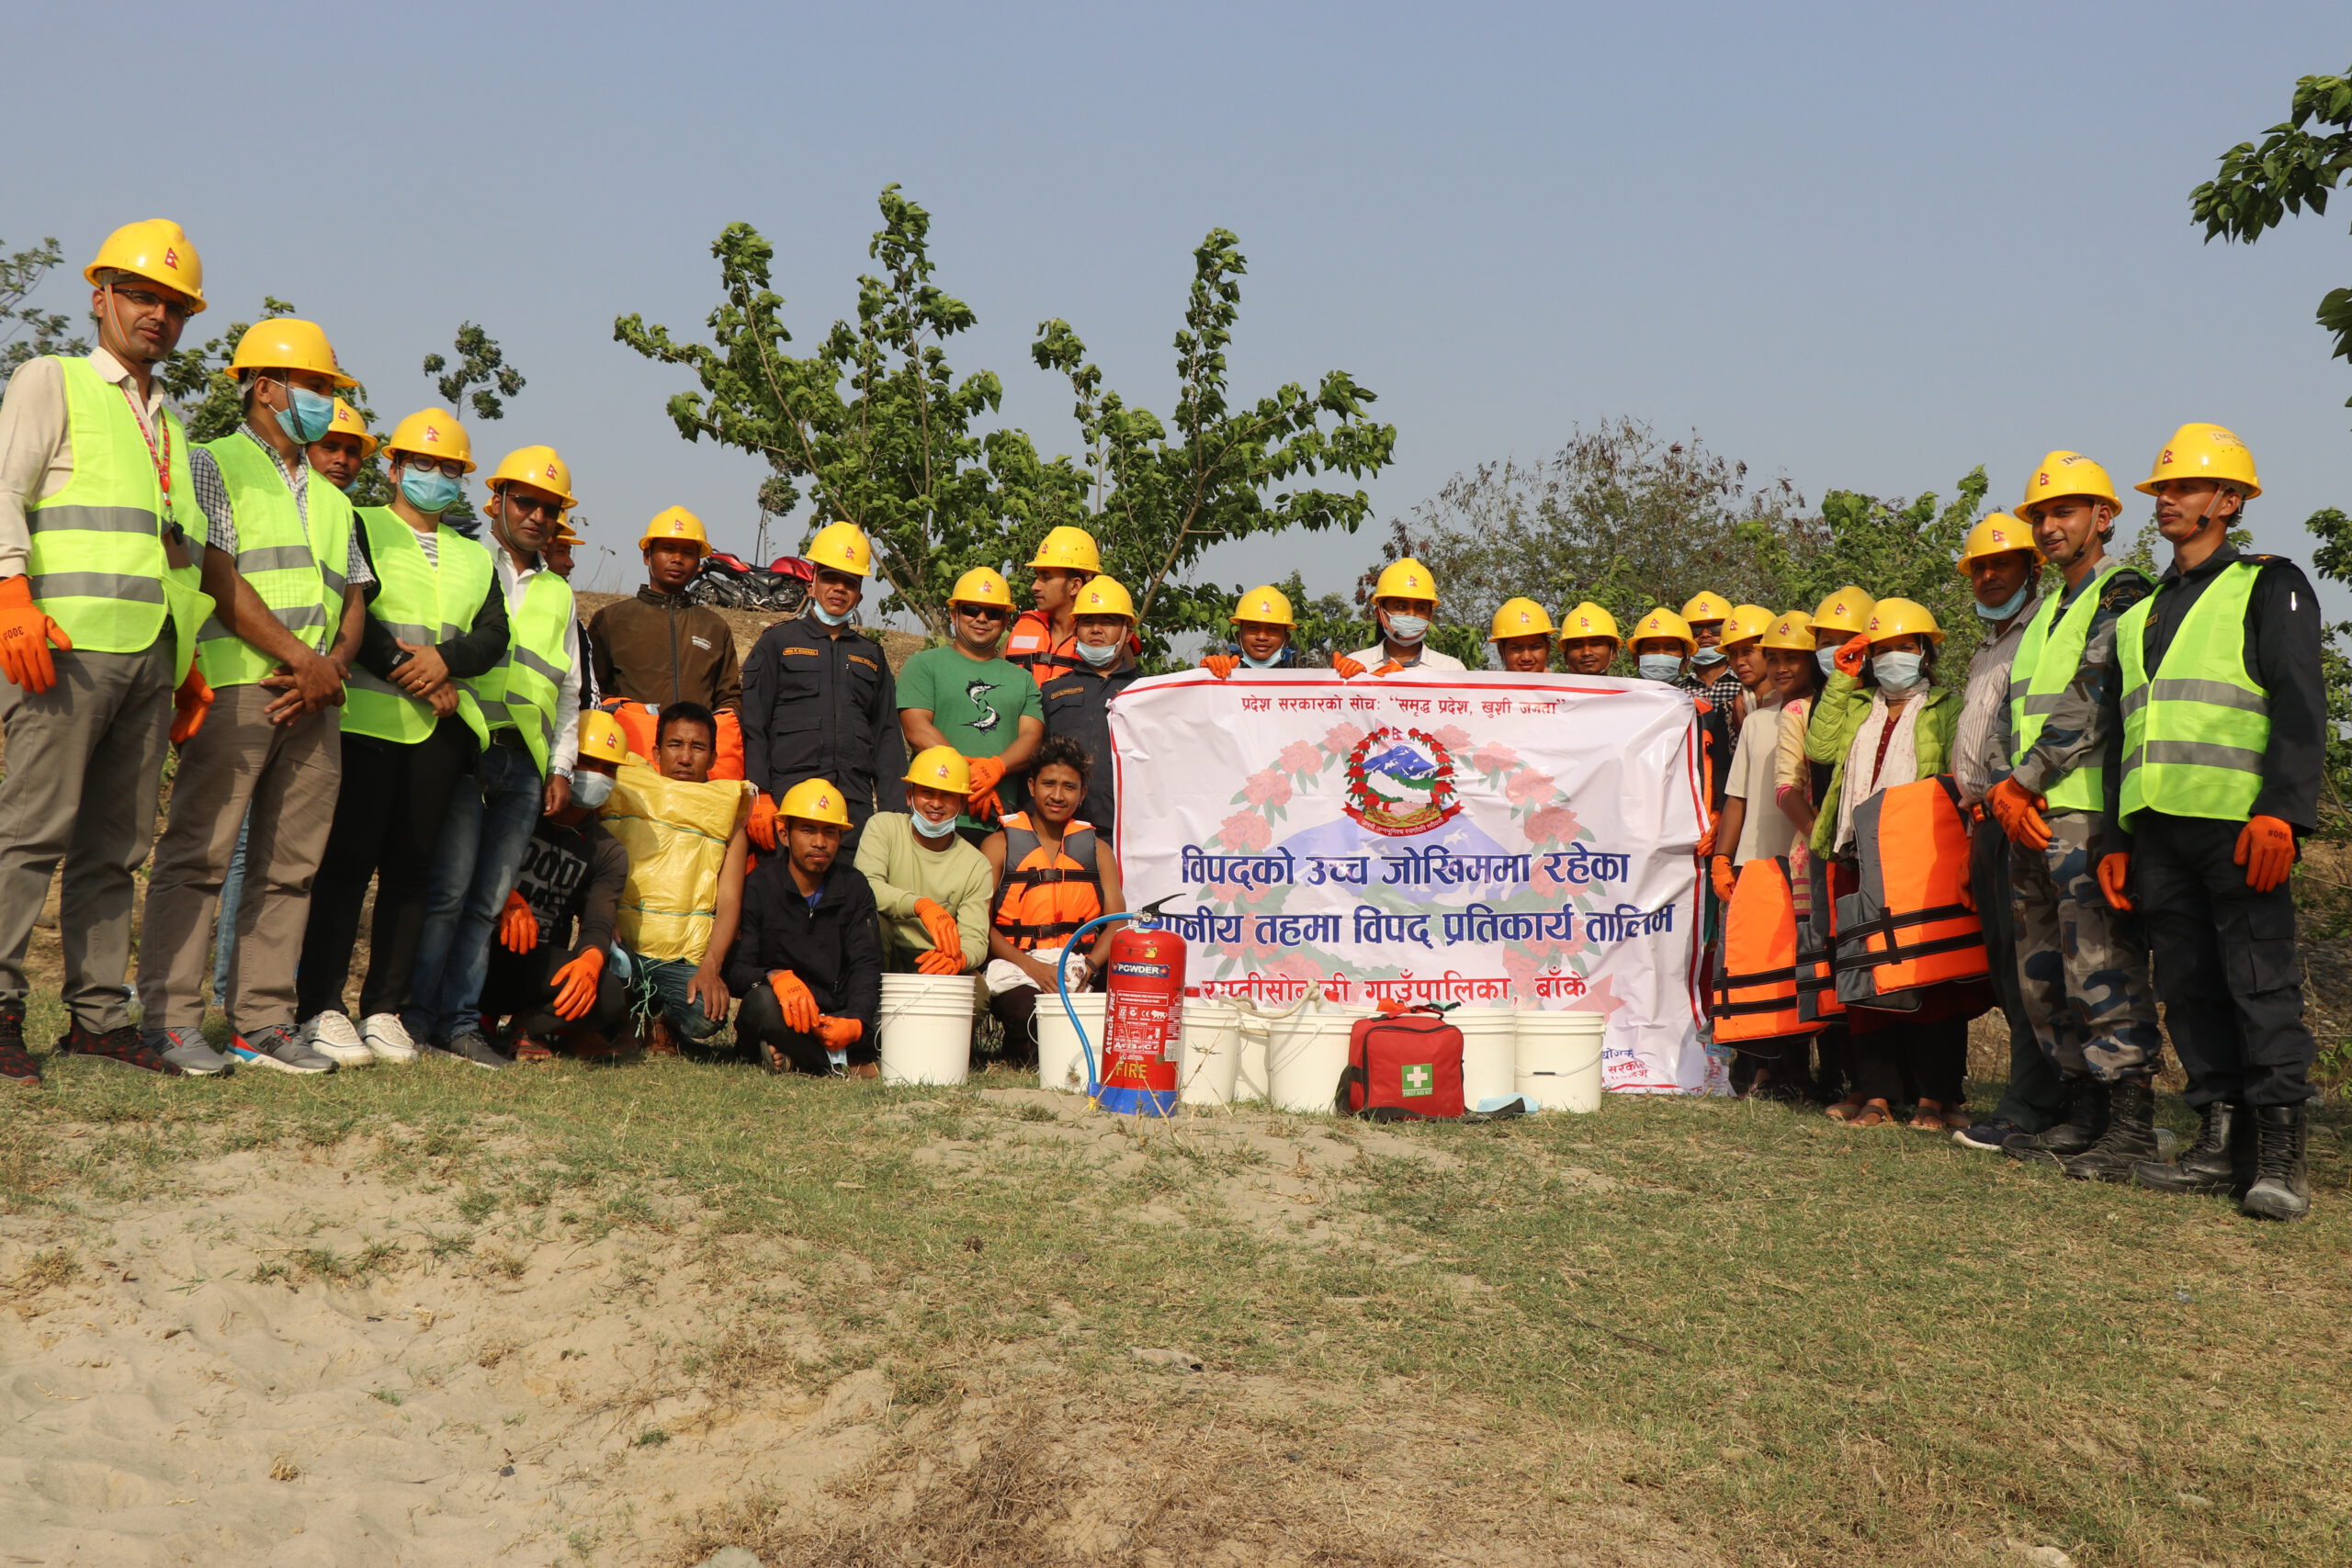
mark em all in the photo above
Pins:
pixel 1869 246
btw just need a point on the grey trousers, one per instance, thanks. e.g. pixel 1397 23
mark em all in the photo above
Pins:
pixel 84 761
pixel 288 776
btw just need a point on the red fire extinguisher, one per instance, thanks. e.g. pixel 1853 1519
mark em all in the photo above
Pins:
pixel 1143 1023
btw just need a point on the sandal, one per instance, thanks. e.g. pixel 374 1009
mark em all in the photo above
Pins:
pixel 1845 1109
pixel 528 1048
pixel 1933 1116
pixel 1874 1113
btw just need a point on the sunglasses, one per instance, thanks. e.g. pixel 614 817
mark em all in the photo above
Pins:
pixel 141 299
pixel 528 504
pixel 983 611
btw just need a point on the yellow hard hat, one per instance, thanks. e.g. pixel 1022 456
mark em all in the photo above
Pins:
pixel 1104 597
pixel 982 585
pixel 1663 622
pixel 433 432
pixel 288 342
pixel 2066 473
pixel 941 767
pixel 1519 617
pixel 841 546
pixel 563 533
pixel 1267 606
pixel 1589 619
pixel 1997 534
pixel 601 737
pixel 2203 452
pixel 1848 611
pixel 157 250
pixel 676 523
pixel 1792 633
pixel 1902 617
pixel 1406 578
pixel 1070 549
pixel 1745 621
pixel 1704 606
pixel 815 800
pixel 537 466
pixel 347 421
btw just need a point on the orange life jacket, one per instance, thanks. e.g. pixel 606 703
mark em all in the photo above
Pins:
pixel 1031 644
pixel 1046 896
pixel 641 722
pixel 1756 964
pixel 1908 926
pixel 1817 1000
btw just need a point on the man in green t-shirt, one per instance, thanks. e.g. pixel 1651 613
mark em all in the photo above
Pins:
pixel 967 696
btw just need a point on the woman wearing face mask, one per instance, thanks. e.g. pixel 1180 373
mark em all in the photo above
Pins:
pixel 1663 646
pixel 1263 624
pixel 434 616
pixel 1895 726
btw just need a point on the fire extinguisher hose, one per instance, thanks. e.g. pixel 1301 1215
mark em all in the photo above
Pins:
pixel 1061 983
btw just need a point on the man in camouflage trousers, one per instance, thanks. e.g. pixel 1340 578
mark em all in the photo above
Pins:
pixel 2083 972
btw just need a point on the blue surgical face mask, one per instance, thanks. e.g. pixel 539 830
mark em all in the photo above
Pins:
pixel 309 417
pixel 1897 672
pixel 1660 666
pixel 1827 659
pixel 930 829
pixel 1708 656
pixel 591 789
pixel 1263 664
pixel 430 489
pixel 827 616
pixel 1101 655
pixel 1408 628
pixel 2004 610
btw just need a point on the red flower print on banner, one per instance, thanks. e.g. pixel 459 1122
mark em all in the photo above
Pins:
pixel 1453 737
pixel 1493 758
pixel 1342 738
pixel 1298 757
pixel 1271 787
pixel 1244 832
pixel 1529 786
pixel 1552 825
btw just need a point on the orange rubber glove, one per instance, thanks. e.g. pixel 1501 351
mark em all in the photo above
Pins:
pixel 26 632
pixel 518 928
pixel 761 827
pixel 940 961
pixel 2114 873
pixel 840 1033
pixel 575 984
pixel 1724 876
pixel 986 774
pixel 1851 657
pixel 2018 811
pixel 800 1005
pixel 1221 665
pixel 1389 667
pixel 2267 850
pixel 946 935
pixel 1346 668
pixel 1707 840
pixel 189 705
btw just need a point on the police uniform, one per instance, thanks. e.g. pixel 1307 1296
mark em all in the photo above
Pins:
pixel 820 702
pixel 1078 704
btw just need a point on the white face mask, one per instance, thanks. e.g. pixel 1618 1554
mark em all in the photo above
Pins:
pixel 1708 656
pixel 1101 656
pixel 930 829
pixel 827 616
pixel 1898 673
pixel 1660 666
pixel 1262 663
pixel 591 789
pixel 1827 659
pixel 1408 628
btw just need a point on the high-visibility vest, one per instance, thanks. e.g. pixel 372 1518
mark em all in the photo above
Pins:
pixel 676 834
pixel 2049 655
pixel 96 564
pixel 298 573
pixel 2194 736
pixel 1046 896
pixel 1756 963
pixel 1907 926
pixel 419 602
pixel 522 688
pixel 642 724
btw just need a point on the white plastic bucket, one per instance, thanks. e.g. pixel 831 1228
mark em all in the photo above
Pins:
pixel 1559 1059
pixel 926 1026
pixel 1060 1063
pixel 1250 1069
pixel 1306 1053
pixel 1212 1059
pixel 1489 1047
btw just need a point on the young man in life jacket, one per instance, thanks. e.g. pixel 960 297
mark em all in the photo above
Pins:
pixel 2083 973
pixel 1404 605
pixel 1521 637
pixel 1263 624
pixel 808 958
pixel 1589 640
pixel 965 696
pixel 1052 877
pixel 1045 637
pixel 932 887
pixel 2224 747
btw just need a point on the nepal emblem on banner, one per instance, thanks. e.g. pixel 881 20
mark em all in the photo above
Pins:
pixel 1400 783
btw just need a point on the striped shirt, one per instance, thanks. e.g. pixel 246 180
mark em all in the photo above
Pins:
pixel 220 519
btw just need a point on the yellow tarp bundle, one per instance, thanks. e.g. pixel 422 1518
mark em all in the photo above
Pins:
pixel 676 835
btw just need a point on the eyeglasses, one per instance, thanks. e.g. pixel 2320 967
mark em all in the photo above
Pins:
pixel 982 612
pixel 450 465
pixel 145 300
pixel 527 504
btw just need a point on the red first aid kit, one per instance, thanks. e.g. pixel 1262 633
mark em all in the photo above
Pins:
pixel 1402 1066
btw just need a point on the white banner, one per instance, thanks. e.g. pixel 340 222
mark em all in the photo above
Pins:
pixel 1491 839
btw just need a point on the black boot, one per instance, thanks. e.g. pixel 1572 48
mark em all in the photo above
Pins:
pixel 2129 1138
pixel 2282 1188
pixel 2085 1125
pixel 2219 1161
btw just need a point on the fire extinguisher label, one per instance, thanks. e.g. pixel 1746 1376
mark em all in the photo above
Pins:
pixel 1157 971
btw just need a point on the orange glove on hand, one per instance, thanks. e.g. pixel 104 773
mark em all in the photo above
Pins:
pixel 189 705
pixel 518 928
pixel 940 925
pixel 1221 665
pixel 940 961
pixel 1389 667
pixel 575 984
pixel 840 1033
pixel 1851 656
pixel 26 632
pixel 761 827
pixel 1346 668
pixel 2267 850
pixel 986 774
pixel 2018 811
pixel 2114 873
pixel 1724 875
pixel 1707 840
pixel 792 994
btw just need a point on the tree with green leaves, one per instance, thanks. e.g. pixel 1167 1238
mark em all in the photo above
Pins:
pixel 481 366
pixel 27 332
pixel 1158 501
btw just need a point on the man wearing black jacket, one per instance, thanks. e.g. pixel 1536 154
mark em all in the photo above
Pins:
pixel 807 960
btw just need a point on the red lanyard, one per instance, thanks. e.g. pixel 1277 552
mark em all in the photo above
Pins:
pixel 161 458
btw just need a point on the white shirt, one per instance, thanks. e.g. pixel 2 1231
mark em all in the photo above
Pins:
pixel 565 748
pixel 1375 655
pixel 1973 766
pixel 37 443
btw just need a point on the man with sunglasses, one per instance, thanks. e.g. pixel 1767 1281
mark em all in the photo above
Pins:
pixel 530 706
pixel 98 611
pixel 968 697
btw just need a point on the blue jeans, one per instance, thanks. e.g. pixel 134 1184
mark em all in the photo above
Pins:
pixel 490 819
pixel 659 985
pixel 224 931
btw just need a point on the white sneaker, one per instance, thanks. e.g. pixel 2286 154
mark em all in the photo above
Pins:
pixel 388 1037
pixel 331 1035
